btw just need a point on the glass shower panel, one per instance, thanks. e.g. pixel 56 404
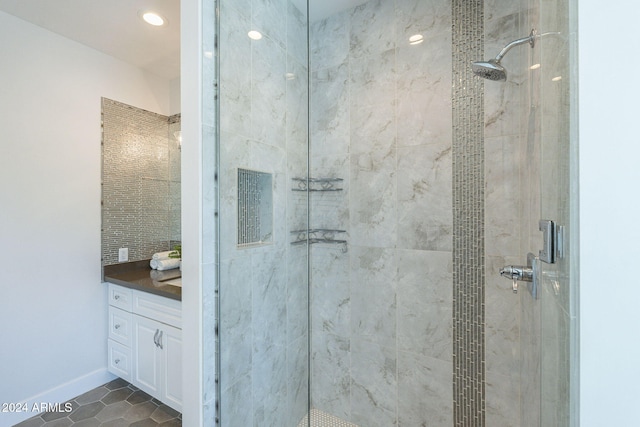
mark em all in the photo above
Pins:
pixel 548 321
pixel 381 304
pixel 263 308
pixel 558 317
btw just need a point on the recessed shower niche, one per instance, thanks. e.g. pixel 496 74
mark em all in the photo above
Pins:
pixel 255 208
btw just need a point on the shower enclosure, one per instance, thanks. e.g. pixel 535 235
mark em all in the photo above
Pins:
pixel 369 190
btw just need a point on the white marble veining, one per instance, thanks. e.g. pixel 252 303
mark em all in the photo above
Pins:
pixel 263 289
pixel 380 118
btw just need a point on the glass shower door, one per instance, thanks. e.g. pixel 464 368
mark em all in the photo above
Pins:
pixel 558 317
pixel 263 291
pixel 549 322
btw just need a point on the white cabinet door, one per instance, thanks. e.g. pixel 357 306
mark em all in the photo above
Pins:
pixel 172 349
pixel 147 356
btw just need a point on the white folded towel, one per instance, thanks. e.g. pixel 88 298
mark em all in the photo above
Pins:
pixel 165 264
pixel 161 255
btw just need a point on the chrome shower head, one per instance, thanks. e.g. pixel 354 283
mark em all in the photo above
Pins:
pixel 492 69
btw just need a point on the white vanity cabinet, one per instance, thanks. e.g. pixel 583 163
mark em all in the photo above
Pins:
pixel 145 342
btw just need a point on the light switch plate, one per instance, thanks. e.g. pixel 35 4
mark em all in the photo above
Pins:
pixel 123 254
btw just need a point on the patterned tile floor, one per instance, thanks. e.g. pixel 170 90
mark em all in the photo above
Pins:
pixel 115 404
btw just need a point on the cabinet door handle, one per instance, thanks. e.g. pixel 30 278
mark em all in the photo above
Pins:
pixel 155 338
pixel 116 297
pixel 160 340
pixel 117 361
pixel 116 326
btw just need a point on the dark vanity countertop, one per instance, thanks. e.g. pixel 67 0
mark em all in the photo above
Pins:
pixel 138 275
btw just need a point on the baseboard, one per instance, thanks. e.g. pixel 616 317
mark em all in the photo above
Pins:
pixel 55 397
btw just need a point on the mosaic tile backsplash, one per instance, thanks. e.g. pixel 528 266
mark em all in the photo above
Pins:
pixel 140 182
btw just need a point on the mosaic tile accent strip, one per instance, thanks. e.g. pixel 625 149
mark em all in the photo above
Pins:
pixel 322 419
pixel 140 182
pixel 468 216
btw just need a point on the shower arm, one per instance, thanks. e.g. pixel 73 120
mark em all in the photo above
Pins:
pixel 531 39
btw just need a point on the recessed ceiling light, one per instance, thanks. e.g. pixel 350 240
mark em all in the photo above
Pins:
pixel 416 39
pixel 153 18
pixel 534 67
pixel 556 79
pixel 254 35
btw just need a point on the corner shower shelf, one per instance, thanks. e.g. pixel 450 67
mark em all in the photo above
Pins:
pixel 318 184
pixel 318 235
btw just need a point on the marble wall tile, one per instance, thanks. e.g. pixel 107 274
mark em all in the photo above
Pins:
pixel 530 409
pixel 506 102
pixel 331 209
pixel 241 6
pixel 502 400
pixel 329 123
pixel 497 8
pixel 372 102
pixel 297 211
pixel 235 71
pixel 372 206
pixel 235 319
pixel 330 292
pixel 297 293
pixel 555 359
pixel 297 33
pixel 330 41
pixel 269 388
pixel 502 320
pixel 270 18
pixel 424 90
pixel 331 377
pixel 425 391
pixel 374 383
pixel 296 118
pixel 373 294
pixel 424 197
pixel 502 207
pixel 269 297
pixel 297 380
pixel 428 18
pixel 268 92
pixel 372 28
pixel 425 303
pixel 236 409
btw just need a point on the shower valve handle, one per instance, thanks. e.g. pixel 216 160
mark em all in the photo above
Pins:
pixel 521 273
pixel 517 272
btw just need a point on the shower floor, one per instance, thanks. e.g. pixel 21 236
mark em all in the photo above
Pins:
pixel 322 419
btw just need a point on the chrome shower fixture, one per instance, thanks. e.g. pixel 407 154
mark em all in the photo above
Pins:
pixel 492 69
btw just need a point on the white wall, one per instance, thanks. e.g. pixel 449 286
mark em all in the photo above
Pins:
pixel 52 304
pixel 174 97
pixel 610 213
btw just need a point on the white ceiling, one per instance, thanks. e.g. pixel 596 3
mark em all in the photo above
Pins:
pixel 113 26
